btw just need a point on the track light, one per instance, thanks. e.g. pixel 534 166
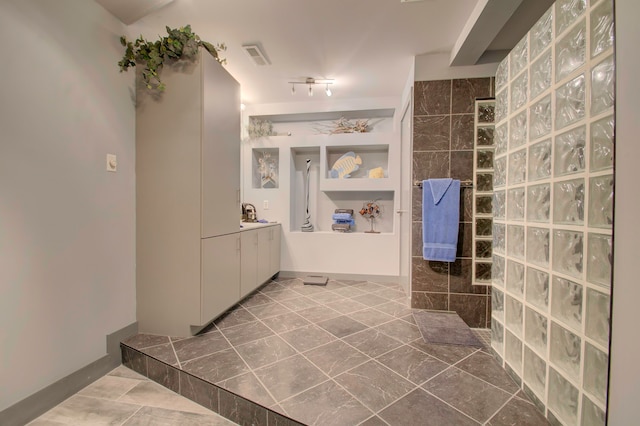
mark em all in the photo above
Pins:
pixel 310 82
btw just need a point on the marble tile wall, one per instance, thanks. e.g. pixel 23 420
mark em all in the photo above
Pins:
pixel 443 136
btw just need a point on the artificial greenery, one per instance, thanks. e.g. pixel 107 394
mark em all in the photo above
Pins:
pixel 180 43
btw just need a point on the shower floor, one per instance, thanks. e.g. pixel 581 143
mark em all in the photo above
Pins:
pixel 348 353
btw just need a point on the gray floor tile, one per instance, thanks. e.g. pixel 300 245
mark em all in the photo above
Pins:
pixel 326 297
pixel 336 357
pixel 395 309
pixel 283 295
pixel 141 341
pixel 265 351
pixel 525 413
pixel 346 306
pixel 447 353
pixel 122 371
pixel 199 346
pixel 412 364
pixel 374 385
pixel 109 387
pixel 401 330
pixel 285 322
pixel 373 421
pixel 420 408
pixel 342 326
pixel 236 317
pixel 370 299
pixel 290 376
pixel 267 310
pixel 84 410
pixel 371 317
pixel 162 417
pixel 246 333
pixel 308 337
pixel 255 299
pixel 474 397
pixel 249 387
pixel 349 292
pixel 487 368
pixel 325 405
pixel 272 286
pixel 154 395
pixel 318 313
pixel 299 303
pixel 217 366
pixel 372 342
pixel 164 353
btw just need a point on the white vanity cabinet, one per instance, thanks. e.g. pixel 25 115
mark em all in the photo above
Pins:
pixel 260 256
pixel 187 198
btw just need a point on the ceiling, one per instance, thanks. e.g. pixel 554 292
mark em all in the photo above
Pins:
pixel 366 46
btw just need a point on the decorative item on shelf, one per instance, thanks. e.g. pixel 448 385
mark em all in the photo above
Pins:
pixel 307 226
pixel 371 210
pixel 181 43
pixel 377 173
pixel 344 125
pixel 345 165
pixel 268 170
pixel 259 128
pixel 343 220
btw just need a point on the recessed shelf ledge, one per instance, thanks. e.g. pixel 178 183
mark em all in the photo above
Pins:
pixel 327 115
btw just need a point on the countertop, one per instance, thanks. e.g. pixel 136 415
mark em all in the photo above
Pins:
pixel 246 226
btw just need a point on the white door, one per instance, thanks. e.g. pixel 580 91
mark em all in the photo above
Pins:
pixel 404 213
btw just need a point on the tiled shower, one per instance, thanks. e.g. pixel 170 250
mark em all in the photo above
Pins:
pixel 553 202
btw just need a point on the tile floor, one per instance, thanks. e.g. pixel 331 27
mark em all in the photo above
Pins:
pixel 348 353
pixel 124 397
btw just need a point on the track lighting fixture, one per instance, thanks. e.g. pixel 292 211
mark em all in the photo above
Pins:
pixel 310 81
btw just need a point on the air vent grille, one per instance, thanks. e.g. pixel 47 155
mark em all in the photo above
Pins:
pixel 256 55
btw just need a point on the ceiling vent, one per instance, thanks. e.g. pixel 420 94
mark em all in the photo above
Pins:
pixel 256 55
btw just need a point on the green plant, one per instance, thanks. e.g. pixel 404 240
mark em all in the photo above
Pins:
pixel 181 43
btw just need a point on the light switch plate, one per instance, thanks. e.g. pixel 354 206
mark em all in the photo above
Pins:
pixel 112 163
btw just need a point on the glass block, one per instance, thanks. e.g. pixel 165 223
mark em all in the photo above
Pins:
pixel 515 241
pixel 518 167
pixel 568 202
pixel 599 259
pixel 567 11
pixel 483 272
pixel 502 138
pixel 601 28
pixel 597 316
pixel 540 74
pixel 483 249
pixel 538 246
pixel 570 102
pixel 499 203
pixel 485 136
pixel 570 151
pixel 483 204
pixel 602 144
pixel 540 118
pixel 483 227
pixel 484 159
pixel 538 203
pixel 497 303
pixel 596 364
pixel 502 75
pixel 518 130
pixel 519 91
pixel 601 201
pixel 536 331
pixel 566 302
pixel 499 171
pixel 518 57
pixel 498 237
pixel 515 204
pixel 484 182
pixel 571 50
pixel 515 278
pixel 540 160
pixel 592 415
pixel 538 288
pixel 513 315
pixel 541 34
pixel 486 112
pixel 513 351
pixel 565 350
pixel 534 372
pixel 497 270
pixel 502 105
pixel 563 398
pixel 497 336
pixel 567 252
pixel 602 88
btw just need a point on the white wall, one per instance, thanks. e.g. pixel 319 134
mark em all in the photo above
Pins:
pixel 435 66
pixel 67 227
pixel 624 379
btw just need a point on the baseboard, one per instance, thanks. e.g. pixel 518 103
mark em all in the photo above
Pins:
pixel 42 401
pixel 333 276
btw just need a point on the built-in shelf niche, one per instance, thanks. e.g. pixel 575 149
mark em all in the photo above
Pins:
pixel 298 178
pixel 265 168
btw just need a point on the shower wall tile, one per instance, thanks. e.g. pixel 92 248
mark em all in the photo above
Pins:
pixel 541 74
pixel 568 252
pixel 538 288
pixel 601 147
pixel 498 270
pixel 501 139
pixel 465 91
pixel 563 397
pixel 519 91
pixel 539 161
pixel 517 167
pixel 599 259
pixel 538 246
pixel 570 151
pixel 502 76
pixel 534 371
pixel 565 350
pixel 538 203
pixel 462 132
pixel 460 278
pixel 592 415
pixel 431 133
pixel 567 12
pixel 567 301
pixel 596 363
pixel 597 316
pixel 536 326
pixel 540 118
pixel 518 57
pixel 570 102
pixel 602 88
pixel 568 199
pixel 571 50
pixel 601 201
pixel 471 308
pixel 430 164
pixel 518 130
pixel 432 301
pixel 430 276
pixel 432 97
pixel 602 27
pixel 462 165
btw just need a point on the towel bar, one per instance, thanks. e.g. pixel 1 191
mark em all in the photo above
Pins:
pixel 463 184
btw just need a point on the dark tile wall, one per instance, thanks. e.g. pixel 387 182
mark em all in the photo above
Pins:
pixel 442 148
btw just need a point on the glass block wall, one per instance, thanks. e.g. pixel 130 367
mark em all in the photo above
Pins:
pixel 552 232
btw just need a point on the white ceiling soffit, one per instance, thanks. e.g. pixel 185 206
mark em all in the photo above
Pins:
pixel 129 11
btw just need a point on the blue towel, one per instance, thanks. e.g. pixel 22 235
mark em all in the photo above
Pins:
pixel 341 216
pixel 440 219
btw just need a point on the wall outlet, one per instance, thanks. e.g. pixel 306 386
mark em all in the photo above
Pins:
pixel 265 204
pixel 112 163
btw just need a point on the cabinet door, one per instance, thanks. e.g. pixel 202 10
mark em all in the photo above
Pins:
pixel 264 251
pixel 248 262
pixel 220 150
pixel 220 275
pixel 275 250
